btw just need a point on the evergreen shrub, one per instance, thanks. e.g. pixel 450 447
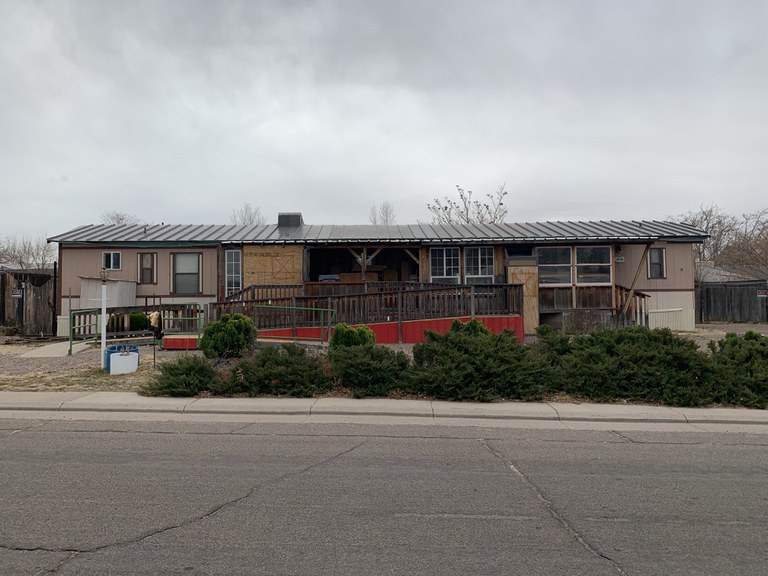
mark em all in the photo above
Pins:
pixel 228 337
pixel 287 370
pixel 346 335
pixel 638 364
pixel 187 375
pixel 369 370
pixel 470 363
pixel 741 364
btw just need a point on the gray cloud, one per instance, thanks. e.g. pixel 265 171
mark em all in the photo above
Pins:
pixel 179 111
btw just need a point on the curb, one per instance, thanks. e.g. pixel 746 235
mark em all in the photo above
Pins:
pixel 117 402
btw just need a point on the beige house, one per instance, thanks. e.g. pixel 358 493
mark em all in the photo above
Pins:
pixel 572 273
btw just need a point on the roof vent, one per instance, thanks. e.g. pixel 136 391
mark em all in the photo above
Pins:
pixel 290 220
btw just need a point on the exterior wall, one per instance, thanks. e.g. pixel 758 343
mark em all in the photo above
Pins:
pixel 80 262
pixel 680 267
pixel 672 301
pixel 273 265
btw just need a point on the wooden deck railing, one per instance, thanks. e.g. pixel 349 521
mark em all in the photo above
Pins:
pixel 405 303
pixel 631 307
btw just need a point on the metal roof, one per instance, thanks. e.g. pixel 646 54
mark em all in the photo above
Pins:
pixel 512 233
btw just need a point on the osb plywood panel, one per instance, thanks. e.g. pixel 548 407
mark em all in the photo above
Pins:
pixel 272 265
pixel 528 276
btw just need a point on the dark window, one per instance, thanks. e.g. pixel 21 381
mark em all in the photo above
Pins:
pixel 657 263
pixel 593 265
pixel 186 273
pixel 110 260
pixel 554 265
pixel 147 268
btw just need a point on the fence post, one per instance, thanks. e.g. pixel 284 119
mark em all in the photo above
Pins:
pixel 400 315
pixel 472 301
pixel 293 317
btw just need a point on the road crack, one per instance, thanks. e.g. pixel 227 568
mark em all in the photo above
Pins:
pixel 550 508
pixel 75 552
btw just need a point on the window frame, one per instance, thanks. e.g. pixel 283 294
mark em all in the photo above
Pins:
pixel 228 276
pixel 663 263
pixel 175 274
pixel 483 252
pixel 607 263
pixel 140 268
pixel 569 265
pixel 443 277
pixel 111 255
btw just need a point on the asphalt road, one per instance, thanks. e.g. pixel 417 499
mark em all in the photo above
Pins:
pixel 98 497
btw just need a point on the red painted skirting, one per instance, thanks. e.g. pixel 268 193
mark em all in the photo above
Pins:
pixel 413 331
pixel 180 342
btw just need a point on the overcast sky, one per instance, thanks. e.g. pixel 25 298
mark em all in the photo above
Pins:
pixel 179 111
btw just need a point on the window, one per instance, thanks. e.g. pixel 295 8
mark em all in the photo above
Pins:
pixel 444 265
pixel 554 265
pixel 593 265
pixel 110 260
pixel 478 265
pixel 657 263
pixel 147 268
pixel 234 271
pixel 186 273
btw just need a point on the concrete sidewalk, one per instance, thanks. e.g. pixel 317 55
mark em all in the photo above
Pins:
pixel 115 402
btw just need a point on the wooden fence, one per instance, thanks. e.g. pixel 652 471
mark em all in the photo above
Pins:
pixel 732 302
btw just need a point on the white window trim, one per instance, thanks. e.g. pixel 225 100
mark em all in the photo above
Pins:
pixel 227 274
pixel 112 259
pixel 491 277
pixel 443 278
pixel 154 268
pixel 663 263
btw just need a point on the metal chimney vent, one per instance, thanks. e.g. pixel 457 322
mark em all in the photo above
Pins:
pixel 290 220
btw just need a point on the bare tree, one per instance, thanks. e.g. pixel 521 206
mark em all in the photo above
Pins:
pixel 117 217
pixel 247 215
pixel 28 253
pixel 747 252
pixel 721 227
pixel 382 214
pixel 469 211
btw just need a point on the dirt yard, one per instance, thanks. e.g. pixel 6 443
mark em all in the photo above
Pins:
pixel 81 372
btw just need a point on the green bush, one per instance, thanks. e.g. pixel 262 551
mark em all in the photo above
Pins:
pixel 552 344
pixel 471 364
pixel 345 335
pixel 139 321
pixel 284 371
pixel 472 328
pixel 369 370
pixel 741 364
pixel 187 375
pixel 637 364
pixel 228 337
